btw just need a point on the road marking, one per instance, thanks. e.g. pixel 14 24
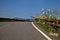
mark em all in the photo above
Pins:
pixel 41 32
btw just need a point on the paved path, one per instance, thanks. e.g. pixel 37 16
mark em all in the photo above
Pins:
pixel 19 31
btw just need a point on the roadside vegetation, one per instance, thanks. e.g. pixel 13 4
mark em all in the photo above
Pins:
pixel 49 20
pixel 2 19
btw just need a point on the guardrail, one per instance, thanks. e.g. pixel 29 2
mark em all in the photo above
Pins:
pixel 51 22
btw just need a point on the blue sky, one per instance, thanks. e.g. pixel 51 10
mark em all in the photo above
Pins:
pixel 25 8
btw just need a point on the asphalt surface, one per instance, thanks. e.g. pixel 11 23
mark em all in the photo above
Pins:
pixel 19 31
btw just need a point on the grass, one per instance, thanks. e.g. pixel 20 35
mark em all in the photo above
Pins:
pixel 48 27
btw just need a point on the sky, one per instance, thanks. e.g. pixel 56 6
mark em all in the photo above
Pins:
pixel 25 8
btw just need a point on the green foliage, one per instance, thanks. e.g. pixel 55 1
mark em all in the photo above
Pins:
pixel 49 14
pixel 47 27
pixel 58 18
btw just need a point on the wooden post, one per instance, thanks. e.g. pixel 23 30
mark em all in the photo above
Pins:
pixel 56 22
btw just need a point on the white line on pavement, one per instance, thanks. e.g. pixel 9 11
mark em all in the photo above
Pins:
pixel 41 32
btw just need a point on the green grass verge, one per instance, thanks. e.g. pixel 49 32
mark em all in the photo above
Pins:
pixel 48 27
